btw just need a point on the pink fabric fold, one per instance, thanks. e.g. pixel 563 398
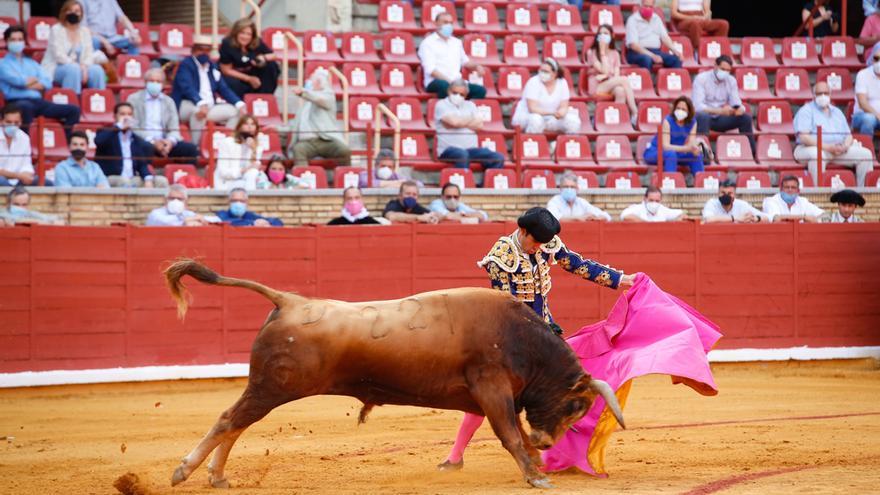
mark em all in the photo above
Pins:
pixel 647 331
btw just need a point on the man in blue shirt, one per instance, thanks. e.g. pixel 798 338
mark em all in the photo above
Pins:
pixel 452 208
pixel 77 170
pixel 22 81
pixel 238 215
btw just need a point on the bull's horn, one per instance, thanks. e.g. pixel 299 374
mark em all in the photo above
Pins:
pixel 605 391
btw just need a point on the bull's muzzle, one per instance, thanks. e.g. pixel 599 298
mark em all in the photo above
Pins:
pixel 541 439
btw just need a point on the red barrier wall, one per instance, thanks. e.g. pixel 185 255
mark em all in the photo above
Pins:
pixel 80 297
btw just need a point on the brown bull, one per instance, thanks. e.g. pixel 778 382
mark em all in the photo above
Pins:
pixel 468 349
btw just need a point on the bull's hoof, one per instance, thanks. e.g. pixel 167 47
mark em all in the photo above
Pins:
pixel 179 476
pixel 446 466
pixel 221 483
pixel 540 483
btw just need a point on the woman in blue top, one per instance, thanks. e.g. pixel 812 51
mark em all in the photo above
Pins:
pixel 680 145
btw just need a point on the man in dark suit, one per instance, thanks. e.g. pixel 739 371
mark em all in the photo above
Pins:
pixel 196 87
pixel 123 155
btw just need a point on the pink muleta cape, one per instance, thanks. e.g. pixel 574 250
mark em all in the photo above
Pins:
pixel 647 331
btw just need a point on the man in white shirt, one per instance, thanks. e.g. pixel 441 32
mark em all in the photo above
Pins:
pixel 651 209
pixel 645 34
pixel 866 114
pixel 442 57
pixel 15 150
pixel 174 212
pixel 568 206
pixel 788 206
pixel 727 209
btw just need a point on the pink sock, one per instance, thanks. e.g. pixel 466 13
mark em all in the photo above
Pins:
pixel 469 425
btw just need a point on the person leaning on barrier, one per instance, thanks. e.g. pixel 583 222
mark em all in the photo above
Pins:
pixel 651 209
pixel 567 206
pixel 157 120
pixel 450 207
pixel 353 210
pixel 314 130
pixel 727 209
pixel 406 208
pixel 16 166
pixel 174 212
pixel 847 201
pixel 123 155
pixel 238 214
pixel 789 206
pixel 17 210
pixel 77 170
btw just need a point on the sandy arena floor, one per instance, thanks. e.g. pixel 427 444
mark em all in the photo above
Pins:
pixel 778 428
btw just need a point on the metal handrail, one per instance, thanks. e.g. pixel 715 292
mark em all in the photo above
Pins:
pixel 346 118
pixel 256 8
pixel 285 68
pixel 377 123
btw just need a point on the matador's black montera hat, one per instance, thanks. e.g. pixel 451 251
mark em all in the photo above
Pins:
pixel 849 197
pixel 540 223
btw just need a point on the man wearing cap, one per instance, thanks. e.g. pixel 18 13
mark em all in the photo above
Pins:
pixel 847 202
pixel 520 264
pixel 196 89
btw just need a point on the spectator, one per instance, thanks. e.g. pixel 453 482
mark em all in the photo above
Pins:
pixel 17 211
pixel 847 201
pixel 238 214
pixel 866 114
pixel 122 154
pixel 353 210
pixel 77 170
pixel 457 121
pixel 248 65
pixel 544 103
pixel 838 145
pixel 276 176
pixel 315 132
pixel 693 18
pixel 727 209
pixel 680 144
pixel 826 22
pixel 156 120
pixel 22 81
pixel 651 209
pixel 450 206
pixel 385 171
pixel 603 66
pixel 69 57
pixel 442 57
pixel 174 212
pixel 568 206
pixel 717 102
pixel 788 206
pixel 645 33
pixel 871 28
pixel 406 208
pixel 102 17
pixel 196 87
pixel 238 157
pixel 15 150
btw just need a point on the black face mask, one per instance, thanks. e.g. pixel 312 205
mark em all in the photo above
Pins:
pixel 78 154
pixel 726 199
pixel 244 135
pixel 72 18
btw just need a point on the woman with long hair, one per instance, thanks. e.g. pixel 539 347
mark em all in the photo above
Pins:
pixel 603 66
pixel 70 57
pixel 247 64
pixel 238 157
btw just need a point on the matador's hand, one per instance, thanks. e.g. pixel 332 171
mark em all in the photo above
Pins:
pixel 626 281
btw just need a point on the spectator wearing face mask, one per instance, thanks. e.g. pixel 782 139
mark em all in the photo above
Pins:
pixel 645 34
pixel 457 121
pixel 651 209
pixel 838 145
pixel 450 207
pixel 385 171
pixel 77 170
pixel 276 176
pixel 238 214
pixel 122 154
pixel 866 114
pixel 238 157
pixel 442 57
pixel 603 65
pixel 567 206
pixel 717 102
pixel 789 206
pixel 315 131
pixel 727 209
pixel 174 213
pixel 16 166
pixel 680 144
pixel 18 210
pixel 156 120
pixel 406 208
pixel 353 210
pixel 544 103
pixel 847 201
pixel 70 57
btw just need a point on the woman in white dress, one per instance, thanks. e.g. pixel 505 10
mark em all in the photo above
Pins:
pixel 544 103
pixel 238 157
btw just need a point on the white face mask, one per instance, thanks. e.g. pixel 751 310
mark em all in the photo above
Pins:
pixel 384 173
pixel 456 99
pixel 680 114
pixel 451 204
pixel 545 76
pixel 823 101
pixel 652 206
pixel 877 67
pixel 175 206
pixel 721 75
pixel 604 38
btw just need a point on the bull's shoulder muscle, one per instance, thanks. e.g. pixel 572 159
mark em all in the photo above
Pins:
pixel 504 254
pixel 553 246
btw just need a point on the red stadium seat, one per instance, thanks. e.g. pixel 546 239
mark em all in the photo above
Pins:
pixel 793 84
pixel 803 176
pixel 270 141
pixel 581 108
pixel 573 151
pixel 5 22
pixel 408 110
pixel 124 93
pixel 562 48
pixel 397 79
pixel 564 19
pixel 523 18
pixel 481 48
pixel 753 85
pixel 753 180
pixel 61 96
pixel 396 16
pixel 733 151
pixel 651 115
pixel 868 143
pixel 131 70
pixel 483 79
pixel 500 178
pixel 146 47
pixel 615 152
pixel 671 180
pixel 54 141
pixel 775 117
pixel 840 51
pixel 799 52
pixel 432 8
pixel 838 179
pixel 641 145
pixel 211 140
pixel 606 14
pixel 622 180
pixel 587 179
pixel 38 29
pixel 361 111
pixel 275 39
pixel 490 111
pixel 320 45
pixel 758 52
pixel 359 47
pixel 613 118
pixel 481 17
pixel 774 151
pixel 521 50
pixel 534 150
pixel 175 40
pixel 97 106
pixel 264 108
pixel 839 81
pixel 712 47
pixel 687 49
pixel 344 177
pixel 494 141
pixel 314 176
pixel 312 66
pixel 640 82
pixel 873 179
pixel 362 79
pixel 415 153
pixel 399 47
pixel 539 179
pixel 175 172
pixel 462 177
pixel 512 80
pixel 672 83
pixel 700 179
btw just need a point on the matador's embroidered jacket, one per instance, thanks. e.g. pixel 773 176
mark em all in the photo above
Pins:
pixel 527 276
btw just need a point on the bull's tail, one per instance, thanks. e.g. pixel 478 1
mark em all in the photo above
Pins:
pixel 200 272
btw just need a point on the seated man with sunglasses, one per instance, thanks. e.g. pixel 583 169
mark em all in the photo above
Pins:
pixel 450 207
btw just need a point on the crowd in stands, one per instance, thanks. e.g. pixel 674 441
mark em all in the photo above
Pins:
pixel 163 119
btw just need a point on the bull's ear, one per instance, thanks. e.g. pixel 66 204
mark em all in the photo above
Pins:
pixel 582 386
